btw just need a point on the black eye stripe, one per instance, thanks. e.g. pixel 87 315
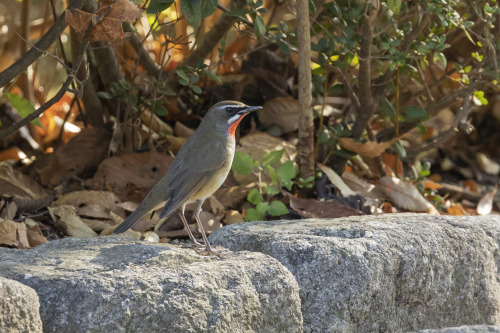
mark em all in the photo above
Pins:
pixel 236 109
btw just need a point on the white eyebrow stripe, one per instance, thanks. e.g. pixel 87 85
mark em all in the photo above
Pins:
pixel 233 118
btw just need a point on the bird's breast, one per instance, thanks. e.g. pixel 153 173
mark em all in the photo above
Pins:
pixel 218 177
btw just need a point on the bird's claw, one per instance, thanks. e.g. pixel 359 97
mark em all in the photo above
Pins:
pixel 209 251
pixel 194 245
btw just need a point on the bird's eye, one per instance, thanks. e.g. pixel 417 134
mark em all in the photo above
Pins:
pixel 230 110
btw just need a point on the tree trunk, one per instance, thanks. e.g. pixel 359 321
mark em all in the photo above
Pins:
pixel 305 147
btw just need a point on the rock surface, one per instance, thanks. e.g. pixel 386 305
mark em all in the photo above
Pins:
pixel 387 273
pixel 18 308
pixel 111 284
pixel 465 329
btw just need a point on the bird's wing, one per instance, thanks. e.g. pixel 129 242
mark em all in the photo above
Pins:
pixel 192 168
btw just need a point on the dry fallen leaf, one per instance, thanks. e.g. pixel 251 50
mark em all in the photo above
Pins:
pixel 485 205
pixel 127 234
pixel 310 208
pixel 369 149
pixel 131 176
pixel 210 222
pixel 182 130
pixel 80 155
pixel 406 195
pixel 110 27
pixel 66 219
pixel 216 207
pixel 13 234
pixel 35 236
pixel 151 236
pixel 282 112
pixel 362 187
pixel 457 210
pixel 336 180
pixel 429 184
pixel 94 204
pixel 233 216
pixel 487 164
pixel 13 182
pixel 230 197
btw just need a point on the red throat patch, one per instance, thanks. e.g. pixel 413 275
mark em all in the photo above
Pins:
pixel 232 128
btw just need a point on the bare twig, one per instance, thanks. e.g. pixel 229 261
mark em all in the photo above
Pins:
pixel 144 59
pixel 64 88
pixel 34 53
pixel 212 37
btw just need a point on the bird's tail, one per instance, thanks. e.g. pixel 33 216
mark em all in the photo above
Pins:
pixel 154 200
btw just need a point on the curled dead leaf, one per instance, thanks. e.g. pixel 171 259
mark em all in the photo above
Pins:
pixel 233 216
pixel 310 208
pixel 110 27
pixel 282 112
pixel 369 149
pixel 336 180
pixel 406 195
pixel 66 219
pixel 485 205
pixel 13 234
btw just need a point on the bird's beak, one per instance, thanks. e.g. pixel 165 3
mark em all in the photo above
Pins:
pixel 251 109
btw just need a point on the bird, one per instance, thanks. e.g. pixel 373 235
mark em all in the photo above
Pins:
pixel 199 169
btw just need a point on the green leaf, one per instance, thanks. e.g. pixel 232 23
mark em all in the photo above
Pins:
pixel 400 150
pixel 272 157
pixel 272 190
pixel 273 175
pixel 197 90
pixel 394 5
pixel 480 97
pixel 194 78
pixel 259 27
pixel 160 110
pixel 287 171
pixel 182 74
pixel 284 48
pixel 192 10
pixel 243 163
pixel 212 76
pixel 104 95
pixel 208 7
pixel 439 60
pixel 413 112
pixel 237 12
pixel 253 214
pixel 254 196
pixel 157 6
pixel 387 109
pixel 23 107
pixel 277 208
pixel 262 207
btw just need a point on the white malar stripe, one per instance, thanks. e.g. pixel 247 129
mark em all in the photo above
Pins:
pixel 233 119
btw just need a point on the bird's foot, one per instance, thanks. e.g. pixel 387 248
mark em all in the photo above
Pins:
pixel 209 251
pixel 194 245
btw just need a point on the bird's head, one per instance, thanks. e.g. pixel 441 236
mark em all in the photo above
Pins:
pixel 227 115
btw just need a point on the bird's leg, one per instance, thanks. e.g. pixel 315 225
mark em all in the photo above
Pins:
pixel 186 226
pixel 208 249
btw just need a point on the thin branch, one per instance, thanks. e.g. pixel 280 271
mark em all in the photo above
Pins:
pixel 212 37
pixel 433 107
pixel 366 108
pixel 144 59
pixel 64 88
pixel 42 45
